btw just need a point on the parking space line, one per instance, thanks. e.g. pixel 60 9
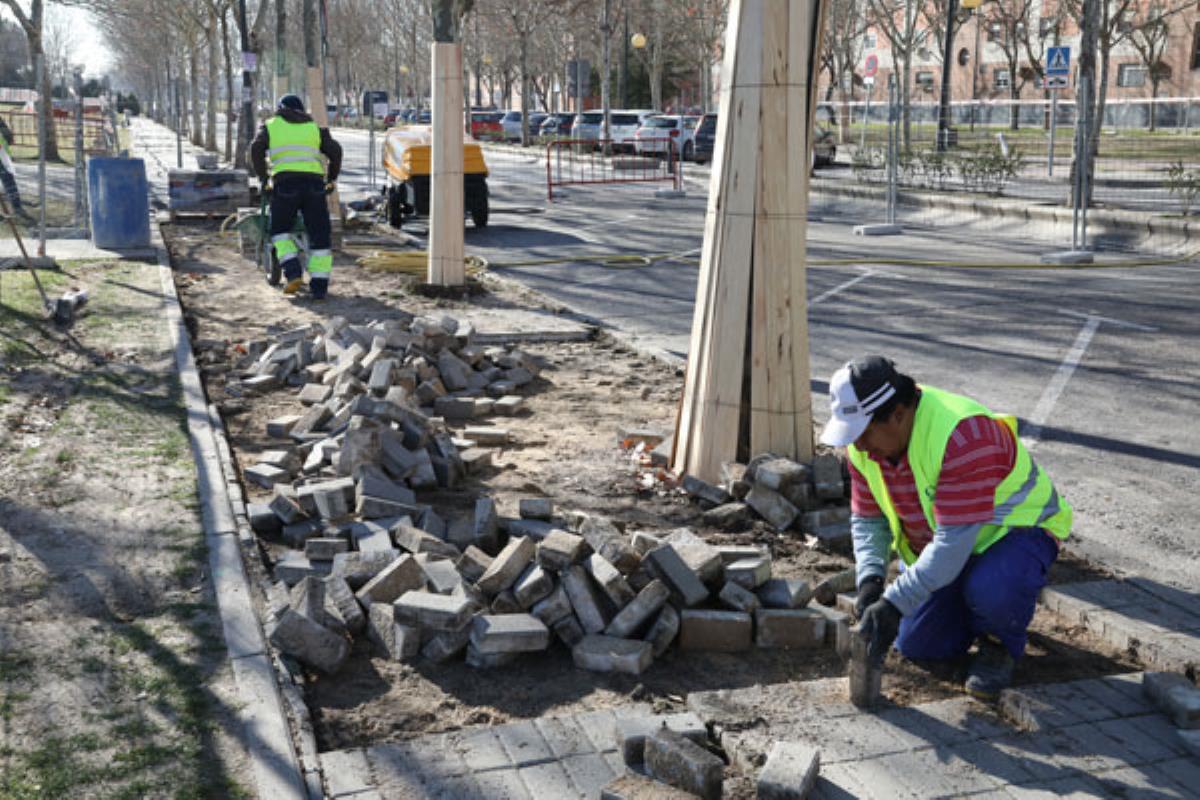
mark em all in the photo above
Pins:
pixel 840 288
pixel 1066 369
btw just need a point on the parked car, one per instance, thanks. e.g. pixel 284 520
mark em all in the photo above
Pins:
pixel 511 122
pixel 688 148
pixel 423 118
pixel 824 151
pixel 559 125
pixel 703 139
pixel 623 127
pixel 661 135
pixel 485 125
pixel 589 126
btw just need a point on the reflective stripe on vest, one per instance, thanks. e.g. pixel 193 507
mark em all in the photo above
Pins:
pixel 1024 499
pixel 294 147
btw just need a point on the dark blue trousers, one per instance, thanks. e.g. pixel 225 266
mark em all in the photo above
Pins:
pixel 994 594
pixel 9 182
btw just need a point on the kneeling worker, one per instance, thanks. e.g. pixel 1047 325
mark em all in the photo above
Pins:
pixel 948 485
pixel 298 152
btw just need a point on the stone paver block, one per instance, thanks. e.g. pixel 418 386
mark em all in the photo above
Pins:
pixel 790 772
pixel 443 577
pixel 739 598
pixel 266 475
pixel 342 603
pixel 599 653
pixel 1175 695
pixel 585 599
pixel 717 631
pixel 777 627
pixel 436 611
pixel 565 736
pixel 446 644
pixel 315 645
pixel 702 490
pixel 559 550
pixel 358 568
pixel 837 629
pixel 569 630
pixel 507 566
pixel 610 581
pixel 680 762
pixel 397 641
pixel 486 525
pixel 508 633
pixel 554 607
pixel 473 563
pixel 524 744
pixel 415 540
pixel 536 508
pixel 785 593
pixel 633 731
pixel 827 477
pixel 534 585
pixel 666 565
pixel 664 630
pixel 750 573
pixel 402 575
pixel 640 610
pixel 773 507
pixel 701 558
pixel 371 537
pixel 322 548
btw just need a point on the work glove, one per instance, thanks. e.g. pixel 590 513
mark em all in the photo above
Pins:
pixel 331 187
pixel 879 627
pixel 870 590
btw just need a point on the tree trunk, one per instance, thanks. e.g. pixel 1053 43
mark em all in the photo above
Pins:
pixel 46 109
pixel 525 133
pixel 214 77
pixel 1014 95
pixel 194 94
pixel 230 102
pixel 1153 104
pixel 906 99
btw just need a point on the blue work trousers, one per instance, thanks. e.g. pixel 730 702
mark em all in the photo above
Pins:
pixel 994 594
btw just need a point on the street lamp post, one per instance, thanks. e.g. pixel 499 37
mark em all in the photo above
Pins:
pixel 637 41
pixel 943 129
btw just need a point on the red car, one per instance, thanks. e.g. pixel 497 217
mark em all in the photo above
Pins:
pixel 486 125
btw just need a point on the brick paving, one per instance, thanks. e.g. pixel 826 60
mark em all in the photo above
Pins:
pixel 1100 737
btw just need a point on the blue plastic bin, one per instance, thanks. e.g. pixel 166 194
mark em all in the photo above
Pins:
pixel 120 203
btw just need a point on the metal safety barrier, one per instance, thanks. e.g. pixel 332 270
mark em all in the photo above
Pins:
pixel 575 162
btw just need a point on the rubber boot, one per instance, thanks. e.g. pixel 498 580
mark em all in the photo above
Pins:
pixel 293 274
pixel 990 671
pixel 318 288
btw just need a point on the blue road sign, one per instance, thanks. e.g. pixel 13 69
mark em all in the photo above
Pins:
pixel 1058 61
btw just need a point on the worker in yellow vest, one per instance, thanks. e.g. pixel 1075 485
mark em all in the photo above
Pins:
pixel 942 481
pixel 8 176
pixel 300 162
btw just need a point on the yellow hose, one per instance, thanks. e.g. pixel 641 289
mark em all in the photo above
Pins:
pixel 411 262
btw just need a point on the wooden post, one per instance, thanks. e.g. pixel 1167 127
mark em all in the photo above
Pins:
pixel 446 181
pixel 747 388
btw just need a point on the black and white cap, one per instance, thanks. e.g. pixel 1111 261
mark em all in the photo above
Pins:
pixel 856 391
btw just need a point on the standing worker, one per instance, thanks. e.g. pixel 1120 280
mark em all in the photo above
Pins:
pixel 8 172
pixel 948 485
pixel 298 152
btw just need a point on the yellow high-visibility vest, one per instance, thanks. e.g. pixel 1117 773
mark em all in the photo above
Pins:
pixel 294 147
pixel 1024 499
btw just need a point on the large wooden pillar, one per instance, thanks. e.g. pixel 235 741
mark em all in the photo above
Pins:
pixel 747 388
pixel 446 182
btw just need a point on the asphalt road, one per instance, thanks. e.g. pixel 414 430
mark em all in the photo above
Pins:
pixel 1100 365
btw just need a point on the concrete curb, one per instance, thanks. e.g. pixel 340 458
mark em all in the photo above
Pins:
pixel 266 733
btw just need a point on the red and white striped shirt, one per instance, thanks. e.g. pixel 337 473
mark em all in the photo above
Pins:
pixel 979 454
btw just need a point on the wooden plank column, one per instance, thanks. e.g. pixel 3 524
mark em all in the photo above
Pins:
pixel 747 388
pixel 446 181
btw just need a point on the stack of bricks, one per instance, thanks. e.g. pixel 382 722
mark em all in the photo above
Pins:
pixel 786 494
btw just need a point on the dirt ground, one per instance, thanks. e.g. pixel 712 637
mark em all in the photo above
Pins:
pixel 566 450
pixel 114 679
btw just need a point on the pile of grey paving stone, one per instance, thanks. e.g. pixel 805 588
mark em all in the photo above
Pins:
pixel 365 557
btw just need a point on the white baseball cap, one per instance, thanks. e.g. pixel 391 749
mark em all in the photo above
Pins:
pixel 856 391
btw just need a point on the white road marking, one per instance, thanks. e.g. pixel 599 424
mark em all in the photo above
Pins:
pixel 1066 369
pixel 840 288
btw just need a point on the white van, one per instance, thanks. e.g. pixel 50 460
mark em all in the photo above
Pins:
pixel 622 124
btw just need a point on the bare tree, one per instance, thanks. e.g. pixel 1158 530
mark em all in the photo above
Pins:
pixel 1150 36
pixel 1008 23
pixel 31 22
pixel 898 21
pixel 845 24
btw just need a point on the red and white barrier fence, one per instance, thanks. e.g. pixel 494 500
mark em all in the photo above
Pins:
pixel 576 162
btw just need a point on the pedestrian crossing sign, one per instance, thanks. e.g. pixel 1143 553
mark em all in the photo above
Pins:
pixel 1058 61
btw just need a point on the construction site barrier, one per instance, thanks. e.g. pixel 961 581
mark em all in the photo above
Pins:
pixel 574 162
